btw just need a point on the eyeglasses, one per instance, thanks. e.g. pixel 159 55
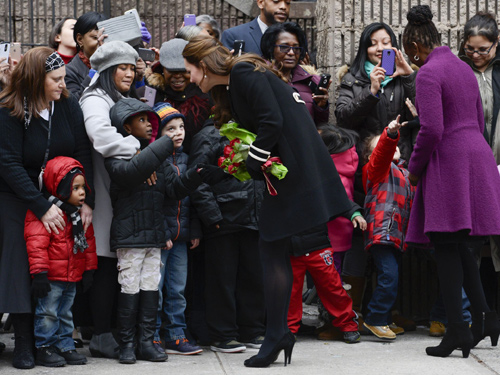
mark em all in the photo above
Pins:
pixel 286 49
pixel 480 52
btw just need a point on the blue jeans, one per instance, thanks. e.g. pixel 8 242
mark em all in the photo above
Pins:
pixel 386 259
pixel 438 312
pixel 171 297
pixel 53 317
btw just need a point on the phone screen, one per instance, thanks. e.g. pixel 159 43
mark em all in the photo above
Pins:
pixel 4 51
pixel 238 47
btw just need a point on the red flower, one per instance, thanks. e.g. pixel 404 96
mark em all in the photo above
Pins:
pixel 236 140
pixel 227 151
pixel 221 160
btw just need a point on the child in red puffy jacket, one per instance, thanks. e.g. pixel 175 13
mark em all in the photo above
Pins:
pixel 58 261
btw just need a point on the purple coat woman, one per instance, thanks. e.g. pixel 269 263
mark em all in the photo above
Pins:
pixel 459 179
pixel 457 196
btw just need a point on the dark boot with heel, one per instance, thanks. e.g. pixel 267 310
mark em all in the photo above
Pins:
pixel 458 335
pixel 148 311
pixel 485 324
pixel 24 339
pixel 126 320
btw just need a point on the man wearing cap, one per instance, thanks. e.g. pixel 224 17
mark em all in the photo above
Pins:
pixel 271 11
pixel 172 84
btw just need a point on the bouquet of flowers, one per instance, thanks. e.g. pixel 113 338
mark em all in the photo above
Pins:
pixel 235 154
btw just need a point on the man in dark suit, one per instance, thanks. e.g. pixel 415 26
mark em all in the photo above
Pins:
pixel 271 11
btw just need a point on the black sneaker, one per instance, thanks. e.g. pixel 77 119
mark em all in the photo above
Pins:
pixel 229 346
pixel 47 356
pixel 72 357
pixel 352 337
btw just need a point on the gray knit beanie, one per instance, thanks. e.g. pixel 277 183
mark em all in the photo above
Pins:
pixel 171 55
pixel 113 53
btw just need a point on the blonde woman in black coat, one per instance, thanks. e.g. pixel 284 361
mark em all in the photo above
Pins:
pixel 247 90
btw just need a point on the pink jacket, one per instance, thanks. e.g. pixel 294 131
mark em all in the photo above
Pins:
pixel 340 229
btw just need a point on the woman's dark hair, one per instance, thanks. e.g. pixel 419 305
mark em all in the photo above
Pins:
pixel 420 27
pixel 482 24
pixel 106 82
pixel 337 139
pixel 272 34
pixel 358 65
pixel 85 23
pixel 56 30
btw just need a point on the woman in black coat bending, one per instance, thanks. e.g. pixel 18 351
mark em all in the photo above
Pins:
pixel 247 90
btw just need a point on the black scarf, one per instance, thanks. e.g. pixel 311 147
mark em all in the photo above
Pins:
pixel 78 232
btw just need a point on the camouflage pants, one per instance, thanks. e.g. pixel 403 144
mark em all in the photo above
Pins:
pixel 138 269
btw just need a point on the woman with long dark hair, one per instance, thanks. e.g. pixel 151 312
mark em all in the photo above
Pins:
pixel 247 89
pixel 115 64
pixel 457 198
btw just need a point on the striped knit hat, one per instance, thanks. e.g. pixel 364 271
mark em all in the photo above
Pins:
pixel 166 113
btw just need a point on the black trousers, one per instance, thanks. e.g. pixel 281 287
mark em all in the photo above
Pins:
pixel 234 293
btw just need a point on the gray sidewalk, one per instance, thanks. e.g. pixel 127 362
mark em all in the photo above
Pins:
pixel 406 355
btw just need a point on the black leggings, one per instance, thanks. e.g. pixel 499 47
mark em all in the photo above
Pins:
pixel 278 281
pixel 103 294
pixel 457 267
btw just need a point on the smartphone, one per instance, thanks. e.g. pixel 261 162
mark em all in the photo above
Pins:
pixel 238 47
pixel 4 51
pixel 323 83
pixel 189 20
pixel 15 51
pixel 147 54
pixel 389 61
pixel 150 95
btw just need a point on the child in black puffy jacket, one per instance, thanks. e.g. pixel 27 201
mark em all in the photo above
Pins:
pixel 138 190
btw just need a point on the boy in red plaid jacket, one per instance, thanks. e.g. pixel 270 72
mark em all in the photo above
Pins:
pixel 387 206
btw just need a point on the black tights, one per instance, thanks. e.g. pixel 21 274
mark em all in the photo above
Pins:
pixel 278 280
pixel 457 267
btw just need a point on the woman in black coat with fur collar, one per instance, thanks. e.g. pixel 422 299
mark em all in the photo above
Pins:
pixel 247 90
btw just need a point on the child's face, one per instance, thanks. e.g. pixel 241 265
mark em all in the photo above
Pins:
pixel 77 197
pixel 175 130
pixel 373 144
pixel 139 126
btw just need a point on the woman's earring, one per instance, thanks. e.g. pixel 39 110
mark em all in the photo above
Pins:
pixel 205 76
pixel 416 57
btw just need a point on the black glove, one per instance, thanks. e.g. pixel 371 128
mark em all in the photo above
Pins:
pixel 87 278
pixel 40 287
pixel 254 168
pixel 210 174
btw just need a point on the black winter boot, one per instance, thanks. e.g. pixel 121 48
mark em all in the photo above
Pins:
pixel 126 320
pixel 148 310
pixel 485 324
pixel 458 335
pixel 24 339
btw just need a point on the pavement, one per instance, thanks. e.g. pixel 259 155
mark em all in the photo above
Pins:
pixel 404 356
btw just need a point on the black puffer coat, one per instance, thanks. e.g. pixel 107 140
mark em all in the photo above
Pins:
pixel 138 217
pixel 231 205
pixel 358 109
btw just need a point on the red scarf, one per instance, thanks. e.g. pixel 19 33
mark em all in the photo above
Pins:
pixel 84 59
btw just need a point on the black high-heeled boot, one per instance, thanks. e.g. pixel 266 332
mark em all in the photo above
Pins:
pixel 126 312
pixel 458 335
pixel 286 343
pixel 485 324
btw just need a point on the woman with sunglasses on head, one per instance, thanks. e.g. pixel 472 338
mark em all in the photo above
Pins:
pixel 285 45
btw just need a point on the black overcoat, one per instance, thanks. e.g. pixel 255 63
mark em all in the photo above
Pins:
pixel 312 193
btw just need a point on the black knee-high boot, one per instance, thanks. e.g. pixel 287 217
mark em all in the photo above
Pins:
pixel 485 324
pixel 126 320
pixel 148 310
pixel 24 341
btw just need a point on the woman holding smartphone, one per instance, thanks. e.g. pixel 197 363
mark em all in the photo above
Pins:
pixel 252 93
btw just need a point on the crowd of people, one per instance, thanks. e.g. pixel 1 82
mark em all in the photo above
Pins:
pixel 117 219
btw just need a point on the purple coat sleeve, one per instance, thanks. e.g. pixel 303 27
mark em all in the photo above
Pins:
pixel 430 110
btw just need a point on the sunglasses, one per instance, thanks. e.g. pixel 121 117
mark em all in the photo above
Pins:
pixel 286 49
pixel 482 51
